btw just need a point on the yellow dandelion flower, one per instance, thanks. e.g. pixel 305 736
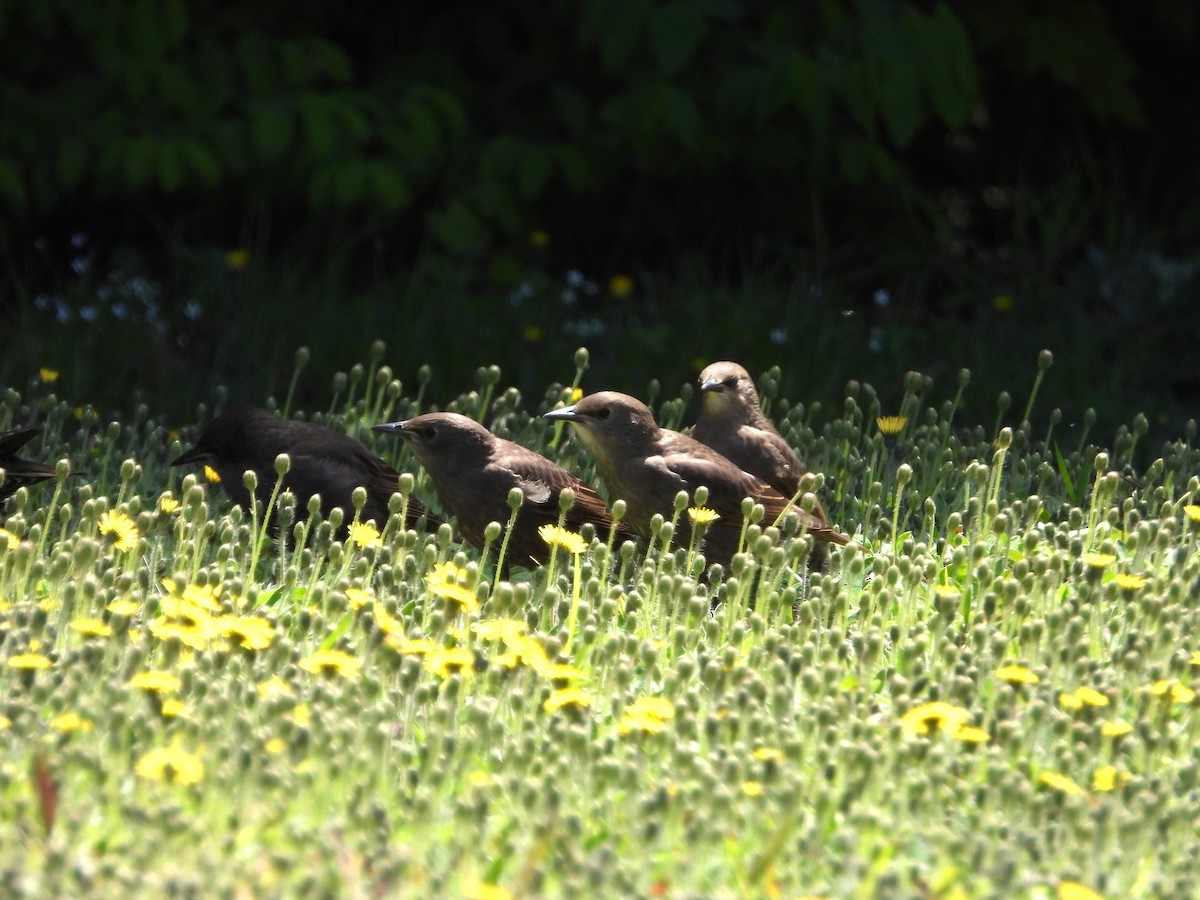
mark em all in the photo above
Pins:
pixel 1115 729
pixel 1108 778
pixel 48 376
pixel 156 682
pixel 752 788
pixel 92 627
pixel 172 764
pixel 445 581
pixel 70 721
pixel 1192 511
pixel 1081 697
pixel 1015 674
pixel 173 708
pixel 168 504
pixel 561 537
pixel 576 395
pixel 412 646
pixel 196 636
pixel 357 598
pixel 562 673
pixel 5 721
pixel 1172 691
pixel 503 629
pixel 620 285
pixel 1060 782
pixel 971 735
pixel 332 662
pixel 8 540
pixel 1129 582
pixel 646 714
pixel 933 717
pixel 121 529
pixel 524 650
pixel 251 632
pixel 1073 890
pixel 1099 560
pixel 768 754
pixel 567 698
pixel 484 890
pixel 1091 696
pixel 301 715
pixel 273 688
pixel 124 608
pixel 203 596
pixel 891 425
pixel 446 662
pixel 364 534
pixel 28 661
pixel 480 779
pixel 275 746
pixel 702 515
pixel 237 259
pixel 212 475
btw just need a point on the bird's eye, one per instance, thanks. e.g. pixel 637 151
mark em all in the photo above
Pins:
pixel 602 413
pixel 730 381
pixel 428 432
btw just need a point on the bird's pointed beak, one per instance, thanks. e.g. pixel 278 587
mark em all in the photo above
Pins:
pixel 711 384
pixel 566 414
pixel 391 428
pixel 190 456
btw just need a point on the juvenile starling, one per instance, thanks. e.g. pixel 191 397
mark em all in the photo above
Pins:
pixel 473 472
pixel 732 422
pixel 647 466
pixel 19 472
pixel 323 461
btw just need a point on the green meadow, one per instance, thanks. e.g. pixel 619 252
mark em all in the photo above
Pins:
pixel 990 693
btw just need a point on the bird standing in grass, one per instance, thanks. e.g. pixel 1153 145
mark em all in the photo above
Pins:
pixel 647 466
pixel 19 472
pixel 473 472
pixel 322 461
pixel 732 422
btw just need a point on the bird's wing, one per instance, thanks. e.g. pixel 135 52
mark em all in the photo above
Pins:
pixel 728 486
pixel 14 440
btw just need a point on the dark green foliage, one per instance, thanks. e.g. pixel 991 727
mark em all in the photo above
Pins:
pixel 379 162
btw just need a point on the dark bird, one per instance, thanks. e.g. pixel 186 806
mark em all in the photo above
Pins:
pixel 732 422
pixel 323 461
pixel 19 472
pixel 646 466
pixel 473 472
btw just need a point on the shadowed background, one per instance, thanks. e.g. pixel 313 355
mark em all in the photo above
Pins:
pixel 848 190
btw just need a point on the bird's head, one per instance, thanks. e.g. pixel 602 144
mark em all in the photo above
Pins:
pixel 610 420
pixel 225 438
pixel 725 387
pixel 442 439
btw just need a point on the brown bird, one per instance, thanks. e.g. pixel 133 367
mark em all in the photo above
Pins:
pixel 473 472
pixel 732 422
pixel 323 461
pixel 647 466
pixel 19 472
